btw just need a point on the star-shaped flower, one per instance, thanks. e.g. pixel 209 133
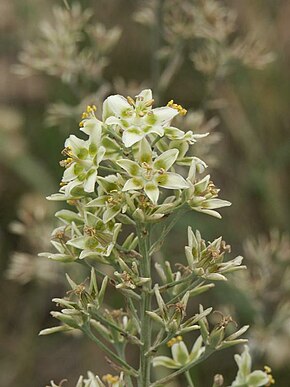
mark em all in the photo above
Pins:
pixel 180 354
pixel 150 173
pixel 137 119
pixel 111 198
pixel 84 157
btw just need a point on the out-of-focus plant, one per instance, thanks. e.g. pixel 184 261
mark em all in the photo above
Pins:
pixel 266 286
pixel 134 172
pixel 204 31
pixel 70 47
pixel 34 229
pixel 74 49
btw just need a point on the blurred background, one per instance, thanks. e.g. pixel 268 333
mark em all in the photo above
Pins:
pixel 227 62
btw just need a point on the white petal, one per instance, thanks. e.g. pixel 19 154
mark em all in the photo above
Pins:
pixel 144 152
pixel 166 159
pixel 132 168
pixel 69 173
pixel 90 182
pixel 133 183
pixel 131 136
pixel 91 126
pixel 180 353
pixel 173 181
pixel 164 115
pixel 216 203
pixel 143 97
pixel 258 378
pixel 152 192
pixel 112 120
pixel 75 143
pixel 115 105
pixel 165 361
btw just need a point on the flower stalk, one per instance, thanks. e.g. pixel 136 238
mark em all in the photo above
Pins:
pixel 127 190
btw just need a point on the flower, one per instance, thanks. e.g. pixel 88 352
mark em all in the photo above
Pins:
pixel 203 195
pixel 111 198
pixel 247 378
pixel 180 354
pixel 97 239
pixel 149 173
pixel 82 162
pixel 136 118
pixel 207 261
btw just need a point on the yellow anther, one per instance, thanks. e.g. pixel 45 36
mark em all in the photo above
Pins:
pixel 89 113
pixel 267 369
pixel 67 151
pixel 179 108
pixel 271 381
pixel 174 341
pixel 110 378
pixel 66 163
pixel 62 183
pixel 149 103
pixel 131 101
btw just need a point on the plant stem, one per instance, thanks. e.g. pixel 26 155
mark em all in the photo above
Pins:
pixel 188 378
pixel 111 354
pixel 143 233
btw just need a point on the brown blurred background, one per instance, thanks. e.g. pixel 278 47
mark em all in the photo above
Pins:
pixel 231 72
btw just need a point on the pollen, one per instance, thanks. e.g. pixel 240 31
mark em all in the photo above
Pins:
pixel 110 378
pixel 67 151
pixel 177 107
pixel 66 163
pixel 131 101
pixel 268 371
pixel 173 341
pixel 89 113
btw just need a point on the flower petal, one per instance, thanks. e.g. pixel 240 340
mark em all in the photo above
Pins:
pixel 166 159
pixel 144 152
pixel 152 192
pixel 132 168
pixel 115 105
pixel 131 136
pixel 165 361
pixel 134 183
pixel 172 180
pixel 180 353
pixel 257 379
pixel 163 115
pixel 90 182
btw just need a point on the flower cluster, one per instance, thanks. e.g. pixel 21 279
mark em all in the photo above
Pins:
pixel 135 173
pixel 132 167
pixel 95 381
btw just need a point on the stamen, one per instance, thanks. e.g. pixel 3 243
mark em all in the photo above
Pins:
pixel 173 341
pixel 179 108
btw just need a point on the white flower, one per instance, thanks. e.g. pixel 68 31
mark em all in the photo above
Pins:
pixel 83 161
pixel 97 240
pixel 137 119
pixel 180 354
pixel 247 378
pixel 149 174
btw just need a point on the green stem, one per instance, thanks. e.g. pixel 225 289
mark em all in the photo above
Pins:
pixel 143 233
pixel 188 378
pixel 106 322
pixel 127 368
